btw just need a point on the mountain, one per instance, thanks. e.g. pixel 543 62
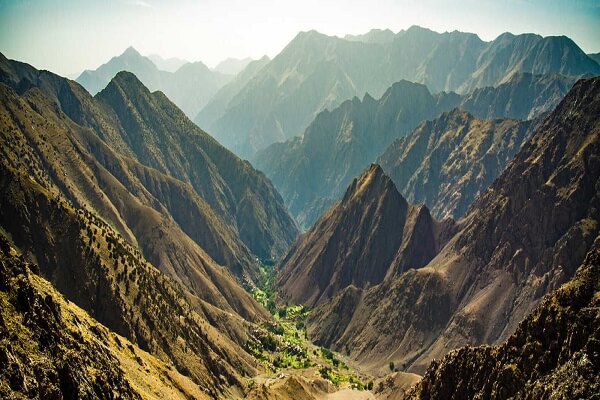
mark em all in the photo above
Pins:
pixel 371 235
pixel 315 72
pixel 130 60
pixel 190 86
pixel 595 57
pixel 41 329
pixel 232 66
pixel 552 354
pixel 169 64
pixel 312 171
pixel 521 238
pixel 523 96
pixel 217 104
pixel 373 36
pixel 171 167
pixel 445 163
pixel 97 269
pixel 90 192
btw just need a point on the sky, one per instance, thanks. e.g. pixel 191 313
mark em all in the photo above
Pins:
pixel 68 36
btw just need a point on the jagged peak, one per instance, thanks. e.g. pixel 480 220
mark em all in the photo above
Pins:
pixel 125 79
pixel 372 183
pixel 131 51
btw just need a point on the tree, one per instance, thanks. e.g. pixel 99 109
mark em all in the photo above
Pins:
pixel 392 366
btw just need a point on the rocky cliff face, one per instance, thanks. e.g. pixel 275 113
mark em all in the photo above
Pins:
pixel 445 163
pixel 312 171
pixel 51 348
pixel 371 235
pixel 552 354
pixel 521 239
pixel 152 151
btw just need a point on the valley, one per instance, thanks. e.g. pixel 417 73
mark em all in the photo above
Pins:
pixel 389 215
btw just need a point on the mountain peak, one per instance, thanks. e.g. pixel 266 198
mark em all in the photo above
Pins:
pixel 372 183
pixel 131 51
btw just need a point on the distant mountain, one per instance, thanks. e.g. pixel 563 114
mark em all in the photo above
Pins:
pixel 552 354
pixel 217 104
pixel 522 238
pixel 232 66
pixel 372 234
pixel 45 329
pixel 445 163
pixel 312 171
pixel 595 57
pixel 373 36
pixel 169 64
pixel 524 96
pixel 190 86
pixel 317 72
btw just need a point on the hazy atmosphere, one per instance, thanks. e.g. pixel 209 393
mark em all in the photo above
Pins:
pixel 72 35
pixel 321 200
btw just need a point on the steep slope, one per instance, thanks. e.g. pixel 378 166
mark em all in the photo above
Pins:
pixel 93 266
pixel 160 136
pixel 595 57
pixel 445 163
pixel 552 354
pixel 217 105
pixel 372 234
pixel 130 60
pixel 509 54
pixel 50 348
pixel 524 96
pixel 317 72
pixel 190 86
pixel 222 203
pixel 311 172
pixel 521 239
pixel 312 73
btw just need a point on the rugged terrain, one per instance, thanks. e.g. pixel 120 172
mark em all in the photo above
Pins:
pixel 371 235
pixel 522 238
pixel 552 354
pixel 50 348
pixel 312 171
pixel 316 72
pixel 190 86
pixel 445 163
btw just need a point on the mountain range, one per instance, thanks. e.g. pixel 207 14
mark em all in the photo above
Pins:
pixel 138 217
pixel 312 171
pixel 315 72
pixel 452 240
pixel 190 86
pixel 522 238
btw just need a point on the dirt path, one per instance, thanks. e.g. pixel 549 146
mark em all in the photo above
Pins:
pixel 349 394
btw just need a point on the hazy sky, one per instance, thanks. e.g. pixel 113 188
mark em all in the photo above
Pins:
pixel 71 35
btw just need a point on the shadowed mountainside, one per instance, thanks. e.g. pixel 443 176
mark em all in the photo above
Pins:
pixel 312 171
pixel 552 354
pixel 521 239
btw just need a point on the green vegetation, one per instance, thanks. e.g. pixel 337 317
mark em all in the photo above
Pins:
pixel 283 343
